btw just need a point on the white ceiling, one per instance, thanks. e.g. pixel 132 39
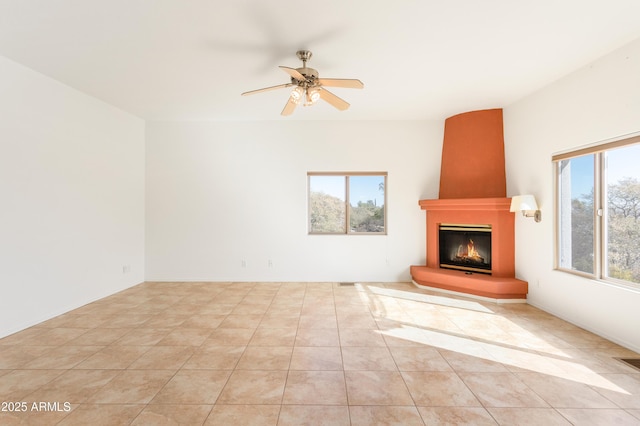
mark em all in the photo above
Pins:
pixel 421 59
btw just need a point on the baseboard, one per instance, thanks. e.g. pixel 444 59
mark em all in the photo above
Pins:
pixel 607 336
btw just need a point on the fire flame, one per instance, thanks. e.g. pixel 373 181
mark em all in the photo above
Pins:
pixel 470 251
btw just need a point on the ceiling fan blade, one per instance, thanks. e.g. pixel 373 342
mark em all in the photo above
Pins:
pixel 289 107
pixel 350 83
pixel 337 102
pixel 266 89
pixel 293 73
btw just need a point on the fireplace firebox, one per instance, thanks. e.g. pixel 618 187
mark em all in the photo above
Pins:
pixel 465 247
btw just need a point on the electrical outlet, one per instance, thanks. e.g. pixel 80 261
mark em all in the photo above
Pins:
pixel 270 263
pixel 126 269
pixel 243 263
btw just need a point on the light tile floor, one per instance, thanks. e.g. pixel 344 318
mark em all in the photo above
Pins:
pixel 311 353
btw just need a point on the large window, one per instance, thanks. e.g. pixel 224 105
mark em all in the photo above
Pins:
pixel 347 203
pixel 598 211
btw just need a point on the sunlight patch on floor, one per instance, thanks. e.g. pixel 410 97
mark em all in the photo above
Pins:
pixel 431 299
pixel 510 356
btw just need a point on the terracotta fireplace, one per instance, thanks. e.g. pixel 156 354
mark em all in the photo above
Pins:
pixel 472 196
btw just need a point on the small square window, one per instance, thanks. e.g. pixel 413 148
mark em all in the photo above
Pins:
pixel 347 203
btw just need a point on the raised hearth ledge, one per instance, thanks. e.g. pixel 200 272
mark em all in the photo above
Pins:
pixel 485 287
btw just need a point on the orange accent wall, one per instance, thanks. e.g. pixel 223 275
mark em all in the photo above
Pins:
pixel 473 164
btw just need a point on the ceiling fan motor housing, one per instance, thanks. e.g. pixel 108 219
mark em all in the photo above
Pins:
pixel 310 75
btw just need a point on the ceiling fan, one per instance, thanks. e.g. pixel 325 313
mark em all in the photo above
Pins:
pixel 309 87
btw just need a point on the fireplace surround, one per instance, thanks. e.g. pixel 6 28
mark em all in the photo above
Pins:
pixel 472 191
pixel 501 284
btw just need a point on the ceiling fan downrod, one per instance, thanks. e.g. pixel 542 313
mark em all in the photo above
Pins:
pixel 304 56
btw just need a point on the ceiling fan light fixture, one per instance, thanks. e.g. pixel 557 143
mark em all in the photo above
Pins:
pixel 296 94
pixel 312 96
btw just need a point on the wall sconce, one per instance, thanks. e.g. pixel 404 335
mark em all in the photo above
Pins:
pixel 526 204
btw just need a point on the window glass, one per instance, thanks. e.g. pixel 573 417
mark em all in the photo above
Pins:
pixel 622 220
pixel 366 203
pixel 576 213
pixel 327 208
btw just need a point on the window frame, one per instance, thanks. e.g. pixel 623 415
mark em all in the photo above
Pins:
pixel 600 208
pixel 346 176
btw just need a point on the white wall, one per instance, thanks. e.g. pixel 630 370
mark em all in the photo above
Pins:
pixel 220 193
pixel 596 103
pixel 71 198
